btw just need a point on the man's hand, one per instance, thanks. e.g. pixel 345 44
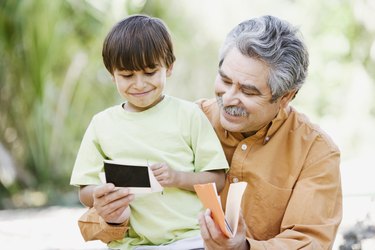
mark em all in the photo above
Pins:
pixel 214 239
pixel 112 203
pixel 166 176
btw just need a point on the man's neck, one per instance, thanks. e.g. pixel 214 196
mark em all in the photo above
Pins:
pixel 248 134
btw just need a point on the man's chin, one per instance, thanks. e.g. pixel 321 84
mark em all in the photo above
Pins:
pixel 230 125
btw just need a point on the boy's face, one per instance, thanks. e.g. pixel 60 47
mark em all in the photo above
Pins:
pixel 142 89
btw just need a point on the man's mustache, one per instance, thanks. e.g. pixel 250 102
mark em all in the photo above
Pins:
pixel 232 110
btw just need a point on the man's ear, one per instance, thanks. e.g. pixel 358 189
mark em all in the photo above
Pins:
pixel 286 98
pixel 170 70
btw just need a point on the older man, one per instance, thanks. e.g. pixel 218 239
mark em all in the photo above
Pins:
pixel 293 198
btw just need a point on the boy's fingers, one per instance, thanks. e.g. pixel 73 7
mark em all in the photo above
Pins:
pixel 155 166
pixel 103 190
pixel 120 203
pixel 157 171
pixel 158 166
pixel 113 201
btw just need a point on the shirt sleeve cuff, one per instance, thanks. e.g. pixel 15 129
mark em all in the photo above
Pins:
pixel 255 244
pixel 93 227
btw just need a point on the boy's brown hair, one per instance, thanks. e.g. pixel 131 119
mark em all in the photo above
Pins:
pixel 136 43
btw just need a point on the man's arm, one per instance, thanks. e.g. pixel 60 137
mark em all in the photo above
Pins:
pixel 167 177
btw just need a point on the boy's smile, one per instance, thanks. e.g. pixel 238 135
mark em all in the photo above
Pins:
pixel 141 93
pixel 142 89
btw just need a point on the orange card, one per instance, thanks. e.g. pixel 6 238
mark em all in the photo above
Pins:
pixel 207 193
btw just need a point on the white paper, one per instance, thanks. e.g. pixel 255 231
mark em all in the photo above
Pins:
pixel 155 185
pixel 233 206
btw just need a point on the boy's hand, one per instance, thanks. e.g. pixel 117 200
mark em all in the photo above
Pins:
pixel 166 176
pixel 112 203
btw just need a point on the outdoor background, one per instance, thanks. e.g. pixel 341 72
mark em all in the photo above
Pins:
pixel 52 81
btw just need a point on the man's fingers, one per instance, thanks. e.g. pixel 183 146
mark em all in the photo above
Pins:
pixel 210 232
pixel 241 223
pixel 214 229
pixel 242 227
pixel 204 230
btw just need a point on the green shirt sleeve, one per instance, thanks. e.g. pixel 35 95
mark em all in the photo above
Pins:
pixel 89 161
pixel 209 154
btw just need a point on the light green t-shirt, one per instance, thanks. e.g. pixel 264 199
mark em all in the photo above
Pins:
pixel 175 132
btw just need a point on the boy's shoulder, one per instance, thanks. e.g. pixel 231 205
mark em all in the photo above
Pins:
pixel 110 111
pixel 182 104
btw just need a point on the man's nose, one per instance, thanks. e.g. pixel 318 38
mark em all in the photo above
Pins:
pixel 231 97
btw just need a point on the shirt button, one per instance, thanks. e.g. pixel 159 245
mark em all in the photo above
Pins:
pixel 244 147
pixel 235 179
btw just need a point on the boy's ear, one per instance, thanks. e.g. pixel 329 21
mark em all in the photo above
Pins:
pixel 170 70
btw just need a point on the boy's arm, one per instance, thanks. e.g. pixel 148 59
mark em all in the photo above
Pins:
pixel 167 177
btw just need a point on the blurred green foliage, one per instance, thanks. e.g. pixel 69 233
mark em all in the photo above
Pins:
pixel 52 79
pixel 45 48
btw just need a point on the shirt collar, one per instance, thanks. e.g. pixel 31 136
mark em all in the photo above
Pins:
pixel 267 131
pixel 276 123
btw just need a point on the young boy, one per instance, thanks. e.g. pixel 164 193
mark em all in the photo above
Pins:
pixel 172 134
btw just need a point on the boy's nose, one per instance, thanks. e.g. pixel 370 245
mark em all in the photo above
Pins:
pixel 139 83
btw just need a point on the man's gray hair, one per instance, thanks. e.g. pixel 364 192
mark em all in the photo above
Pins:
pixel 278 44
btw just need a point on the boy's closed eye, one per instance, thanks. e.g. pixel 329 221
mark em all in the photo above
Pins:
pixel 150 73
pixel 126 75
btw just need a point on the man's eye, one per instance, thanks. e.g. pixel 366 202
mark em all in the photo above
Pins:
pixel 248 93
pixel 227 82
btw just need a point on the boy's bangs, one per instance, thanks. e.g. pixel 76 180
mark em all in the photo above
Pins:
pixel 138 55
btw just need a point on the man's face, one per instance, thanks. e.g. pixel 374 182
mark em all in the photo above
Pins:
pixel 243 94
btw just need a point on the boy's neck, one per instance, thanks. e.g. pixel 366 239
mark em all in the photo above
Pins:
pixel 132 108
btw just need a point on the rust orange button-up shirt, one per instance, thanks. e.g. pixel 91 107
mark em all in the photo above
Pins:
pixel 293 199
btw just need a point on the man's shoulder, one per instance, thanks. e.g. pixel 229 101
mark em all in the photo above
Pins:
pixel 309 130
pixel 206 103
pixel 208 106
